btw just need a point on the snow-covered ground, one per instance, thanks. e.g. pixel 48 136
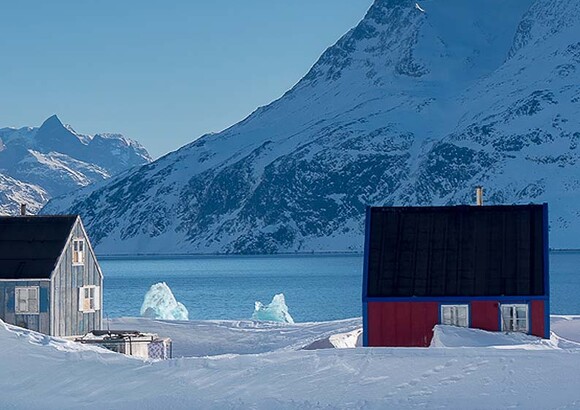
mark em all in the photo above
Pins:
pixel 263 366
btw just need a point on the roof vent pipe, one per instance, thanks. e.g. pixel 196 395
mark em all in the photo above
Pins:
pixel 22 209
pixel 479 195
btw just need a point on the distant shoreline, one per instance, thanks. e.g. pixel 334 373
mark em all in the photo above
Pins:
pixel 224 255
pixel 269 255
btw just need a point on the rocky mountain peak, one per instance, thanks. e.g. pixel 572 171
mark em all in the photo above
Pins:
pixel 39 163
pixel 415 105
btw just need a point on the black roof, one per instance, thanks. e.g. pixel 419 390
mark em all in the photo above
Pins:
pixel 31 245
pixel 457 251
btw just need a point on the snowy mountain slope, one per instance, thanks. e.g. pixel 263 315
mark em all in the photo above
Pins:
pixel 415 105
pixel 14 192
pixel 517 372
pixel 54 159
pixel 520 144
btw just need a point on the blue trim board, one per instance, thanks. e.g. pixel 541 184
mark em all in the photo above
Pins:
pixel 366 252
pixel 443 299
pixel 365 325
pixel 469 315
pixel 546 234
pixel 366 276
pixel 499 319
pixel 530 318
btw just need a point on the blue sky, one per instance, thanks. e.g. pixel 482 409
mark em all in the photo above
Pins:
pixel 160 72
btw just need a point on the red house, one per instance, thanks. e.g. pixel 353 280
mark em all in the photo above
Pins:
pixel 483 267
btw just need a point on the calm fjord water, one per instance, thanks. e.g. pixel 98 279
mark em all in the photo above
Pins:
pixel 317 287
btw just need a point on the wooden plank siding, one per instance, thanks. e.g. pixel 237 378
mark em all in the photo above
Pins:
pixel 38 322
pixel 68 320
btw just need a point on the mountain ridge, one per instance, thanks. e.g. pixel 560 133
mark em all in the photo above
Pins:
pixel 38 163
pixel 400 111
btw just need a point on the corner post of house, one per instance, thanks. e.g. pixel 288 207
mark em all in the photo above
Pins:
pixel 366 276
pixel 546 235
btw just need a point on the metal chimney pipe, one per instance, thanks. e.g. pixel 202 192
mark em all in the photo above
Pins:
pixel 479 195
pixel 22 209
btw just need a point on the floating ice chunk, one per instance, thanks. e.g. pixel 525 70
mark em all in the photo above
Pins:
pixel 159 303
pixel 276 311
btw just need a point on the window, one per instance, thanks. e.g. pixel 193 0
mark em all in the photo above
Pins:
pixel 26 300
pixel 514 318
pixel 455 315
pixel 89 298
pixel 78 251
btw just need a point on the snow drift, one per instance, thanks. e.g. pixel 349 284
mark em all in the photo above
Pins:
pixel 65 375
pixel 159 303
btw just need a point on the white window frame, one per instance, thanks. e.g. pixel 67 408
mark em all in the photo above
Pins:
pixel 79 247
pixel 89 299
pixel 509 323
pixel 454 310
pixel 20 300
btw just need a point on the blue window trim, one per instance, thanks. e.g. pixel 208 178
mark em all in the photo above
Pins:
pixel 365 325
pixel 366 276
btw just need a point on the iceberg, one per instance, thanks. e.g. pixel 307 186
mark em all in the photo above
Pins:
pixel 159 303
pixel 276 311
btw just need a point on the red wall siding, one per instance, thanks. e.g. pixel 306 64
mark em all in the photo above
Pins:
pixel 410 324
pixel 401 323
pixel 537 315
pixel 485 315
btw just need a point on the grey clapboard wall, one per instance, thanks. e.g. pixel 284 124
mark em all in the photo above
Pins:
pixel 68 320
pixel 39 322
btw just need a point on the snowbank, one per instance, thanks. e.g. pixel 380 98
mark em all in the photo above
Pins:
pixel 196 338
pixel 452 336
pixel 65 375
pixel 338 341
pixel 276 311
pixel 159 303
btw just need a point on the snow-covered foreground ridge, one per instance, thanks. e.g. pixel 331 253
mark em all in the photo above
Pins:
pixel 44 372
pixel 413 106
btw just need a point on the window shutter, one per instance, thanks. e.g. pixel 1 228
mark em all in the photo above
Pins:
pixel 33 300
pixel 447 315
pixel 81 299
pixel 98 298
pixel 87 300
pixel 22 300
pixel 18 302
pixel 462 316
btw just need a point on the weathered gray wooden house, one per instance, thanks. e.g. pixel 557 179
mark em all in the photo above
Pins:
pixel 50 280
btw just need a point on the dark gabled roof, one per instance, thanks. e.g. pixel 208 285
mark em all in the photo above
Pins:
pixel 31 245
pixel 457 251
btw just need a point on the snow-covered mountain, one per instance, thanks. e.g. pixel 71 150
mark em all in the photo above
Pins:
pixel 418 104
pixel 39 163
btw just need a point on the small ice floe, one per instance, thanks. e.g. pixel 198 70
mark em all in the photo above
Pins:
pixel 159 303
pixel 276 311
